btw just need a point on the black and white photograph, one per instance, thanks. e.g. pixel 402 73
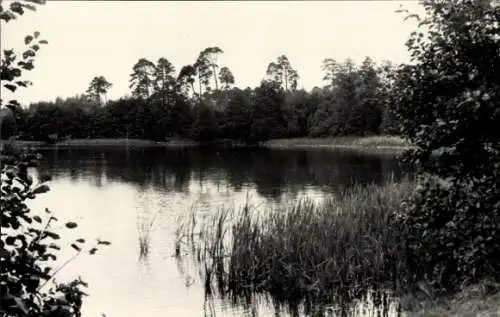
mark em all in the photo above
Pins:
pixel 250 158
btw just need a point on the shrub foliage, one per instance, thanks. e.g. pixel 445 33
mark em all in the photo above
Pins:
pixel 448 106
pixel 29 252
pixel 29 249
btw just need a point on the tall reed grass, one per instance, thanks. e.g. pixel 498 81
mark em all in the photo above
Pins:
pixel 144 228
pixel 334 250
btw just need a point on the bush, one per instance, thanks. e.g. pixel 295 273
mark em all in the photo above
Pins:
pixel 448 107
pixel 29 249
pixel 453 233
pixel 28 242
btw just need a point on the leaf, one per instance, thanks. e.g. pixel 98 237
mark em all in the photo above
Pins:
pixel 8 53
pixel 35 47
pixel 43 42
pixel 28 39
pixel 7 16
pixel 54 246
pixel 37 1
pixel 17 8
pixel 71 225
pixel 37 219
pixel 22 238
pixel 31 230
pixel 28 65
pixel 29 6
pixel 53 235
pixel 41 189
pixel 103 242
pixel 36 34
pixel 10 240
pixel 16 72
pixel 77 248
pixel 28 53
pixel 93 251
pixel 10 87
pixel 81 240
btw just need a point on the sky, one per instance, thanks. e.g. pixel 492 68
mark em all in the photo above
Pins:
pixel 93 38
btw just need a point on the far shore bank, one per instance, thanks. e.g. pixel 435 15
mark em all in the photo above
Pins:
pixel 104 142
pixel 378 144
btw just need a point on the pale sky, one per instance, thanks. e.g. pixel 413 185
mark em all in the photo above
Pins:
pixel 92 38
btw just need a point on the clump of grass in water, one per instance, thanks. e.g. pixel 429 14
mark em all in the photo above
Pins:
pixel 187 233
pixel 334 251
pixel 144 229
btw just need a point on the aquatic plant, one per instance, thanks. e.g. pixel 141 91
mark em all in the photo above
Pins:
pixel 144 229
pixel 330 252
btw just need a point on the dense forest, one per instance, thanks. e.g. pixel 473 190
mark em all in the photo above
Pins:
pixel 200 102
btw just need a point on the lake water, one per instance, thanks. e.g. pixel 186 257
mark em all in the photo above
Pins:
pixel 114 193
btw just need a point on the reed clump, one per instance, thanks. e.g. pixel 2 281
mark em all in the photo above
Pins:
pixel 144 228
pixel 335 250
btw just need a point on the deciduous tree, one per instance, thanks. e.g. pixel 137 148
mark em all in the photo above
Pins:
pixel 448 107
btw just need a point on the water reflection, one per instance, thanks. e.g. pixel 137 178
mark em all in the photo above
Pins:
pixel 271 172
pixel 133 198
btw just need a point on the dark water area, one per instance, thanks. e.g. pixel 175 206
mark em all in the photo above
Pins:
pixel 271 172
pixel 128 194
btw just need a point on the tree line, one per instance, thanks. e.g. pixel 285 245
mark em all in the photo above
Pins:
pixel 201 103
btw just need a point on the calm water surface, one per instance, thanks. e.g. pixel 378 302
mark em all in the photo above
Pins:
pixel 114 193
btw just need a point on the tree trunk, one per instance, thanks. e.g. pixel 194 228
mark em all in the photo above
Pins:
pixel 199 81
pixel 286 80
pixel 192 87
pixel 164 96
pixel 215 78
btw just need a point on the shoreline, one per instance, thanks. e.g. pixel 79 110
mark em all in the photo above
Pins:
pixel 377 144
pixel 103 142
pixel 371 144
